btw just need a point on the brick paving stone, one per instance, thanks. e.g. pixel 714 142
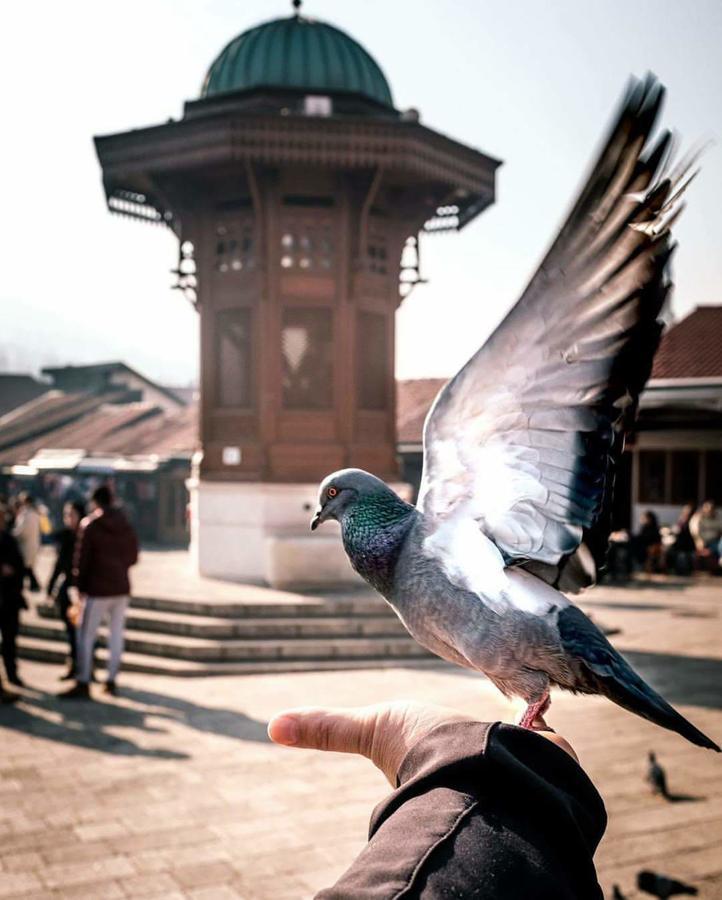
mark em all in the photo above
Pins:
pixel 13 883
pixel 150 885
pixel 38 839
pixel 164 895
pixel 167 837
pixel 203 874
pixel 27 895
pixel 215 892
pixel 148 861
pixel 61 875
pixel 211 852
pixel 100 830
pixel 21 862
pixel 76 853
pixel 96 890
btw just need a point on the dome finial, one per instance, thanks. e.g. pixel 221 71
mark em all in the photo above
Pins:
pixel 296 4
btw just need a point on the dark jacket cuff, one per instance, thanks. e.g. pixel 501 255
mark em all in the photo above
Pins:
pixel 481 809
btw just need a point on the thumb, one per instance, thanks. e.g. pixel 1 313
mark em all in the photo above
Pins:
pixel 340 729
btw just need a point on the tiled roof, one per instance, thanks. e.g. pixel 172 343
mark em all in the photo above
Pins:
pixel 18 389
pixel 74 378
pixel 49 412
pixel 413 400
pixel 693 347
pixel 129 429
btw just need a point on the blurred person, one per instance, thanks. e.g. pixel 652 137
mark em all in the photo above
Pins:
pixel 105 549
pixel 648 543
pixel 706 529
pixel 27 530
pixel 477 809
pixel 620 563
pixel 61 578
pixel 12 573
pixel 681 553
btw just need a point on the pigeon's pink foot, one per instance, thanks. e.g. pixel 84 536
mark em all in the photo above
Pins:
pixel 535 711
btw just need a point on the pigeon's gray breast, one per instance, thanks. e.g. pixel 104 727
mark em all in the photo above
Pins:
pixel 519 651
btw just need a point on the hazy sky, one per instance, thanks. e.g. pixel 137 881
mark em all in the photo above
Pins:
pixel 532 83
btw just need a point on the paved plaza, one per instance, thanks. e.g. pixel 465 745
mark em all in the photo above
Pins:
pixel 172 790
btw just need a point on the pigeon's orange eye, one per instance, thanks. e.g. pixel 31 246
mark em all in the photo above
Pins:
pixel 332 492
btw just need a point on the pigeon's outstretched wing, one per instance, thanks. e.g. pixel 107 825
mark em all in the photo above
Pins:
pixel 526 437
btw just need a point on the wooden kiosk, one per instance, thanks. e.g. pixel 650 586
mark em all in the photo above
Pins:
pixel 294 186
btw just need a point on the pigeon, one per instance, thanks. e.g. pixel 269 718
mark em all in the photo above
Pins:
pixel 663 887
pixel 521 447
pixel 657 777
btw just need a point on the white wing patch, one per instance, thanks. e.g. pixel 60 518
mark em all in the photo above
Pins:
pixel 473 562
pixel 507 480
pixel 498 483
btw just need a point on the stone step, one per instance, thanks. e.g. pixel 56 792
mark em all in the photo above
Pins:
pixel 270 627
pixel 52 651
pixel 240 649
pixel 360 603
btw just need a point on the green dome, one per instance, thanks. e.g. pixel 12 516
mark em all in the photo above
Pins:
pixel 297 53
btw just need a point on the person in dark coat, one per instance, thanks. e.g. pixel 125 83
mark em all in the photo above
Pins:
pixel 60 580
pixel 12 575
pixel 648 542
pixel 681 553
pixel 477 810
pixel 106 548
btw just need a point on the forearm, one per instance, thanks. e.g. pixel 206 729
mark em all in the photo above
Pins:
pixel 485 811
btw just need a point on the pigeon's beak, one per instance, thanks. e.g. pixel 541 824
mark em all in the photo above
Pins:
pixel 317 519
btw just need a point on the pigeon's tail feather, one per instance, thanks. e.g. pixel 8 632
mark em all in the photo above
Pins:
pixel 627 689
pixel 604 671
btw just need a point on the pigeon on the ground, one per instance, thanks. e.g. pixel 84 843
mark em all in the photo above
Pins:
pixel 521 446
pixel 663 887
pixel 657 777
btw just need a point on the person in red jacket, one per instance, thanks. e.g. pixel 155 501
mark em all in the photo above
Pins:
pixel 105 549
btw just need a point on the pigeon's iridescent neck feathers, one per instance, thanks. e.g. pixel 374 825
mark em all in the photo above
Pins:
pixel 374 529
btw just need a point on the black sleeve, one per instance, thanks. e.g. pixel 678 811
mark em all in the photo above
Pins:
pixel 64 558
pixel 10 555
pixel 486 812
pixel 57 572
pixel 82 555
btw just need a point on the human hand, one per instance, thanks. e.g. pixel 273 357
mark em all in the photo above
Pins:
pixel 383 732
pixel 76 609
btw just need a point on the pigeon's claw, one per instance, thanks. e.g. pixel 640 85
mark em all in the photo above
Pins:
pixel 534 714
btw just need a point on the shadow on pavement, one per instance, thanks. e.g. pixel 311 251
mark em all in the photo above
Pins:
pixel 82 724
pixel 630 606
pixel 213 720
pixel 693 680
pixel 663 583
pixel 91 724
pixel 696 680
pixel 684 798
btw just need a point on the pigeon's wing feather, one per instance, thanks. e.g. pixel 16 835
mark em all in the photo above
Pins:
pixel 525 439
